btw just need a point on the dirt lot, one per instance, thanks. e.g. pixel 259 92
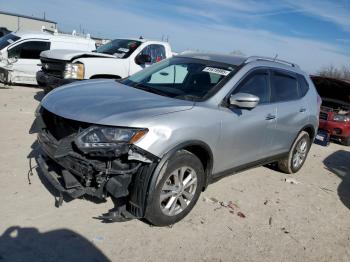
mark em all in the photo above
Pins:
pixel 309 221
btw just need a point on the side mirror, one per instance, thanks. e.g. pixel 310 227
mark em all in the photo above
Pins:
pixel 142 59
pixel 244 100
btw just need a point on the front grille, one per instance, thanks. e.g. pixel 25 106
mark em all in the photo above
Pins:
pixel 323 115
pixel 53 67
pixel 60 127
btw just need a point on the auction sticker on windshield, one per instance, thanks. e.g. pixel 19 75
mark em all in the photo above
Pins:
pixel 217 71
pixel 125 50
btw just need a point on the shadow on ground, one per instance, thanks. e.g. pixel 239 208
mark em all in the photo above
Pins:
pixel 339 164
pixel 28 244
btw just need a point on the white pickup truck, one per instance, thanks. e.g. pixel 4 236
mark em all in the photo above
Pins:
pixel 116 59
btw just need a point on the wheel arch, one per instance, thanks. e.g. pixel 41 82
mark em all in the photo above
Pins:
pixel 142 192
pixel 310 130
pixel 196 147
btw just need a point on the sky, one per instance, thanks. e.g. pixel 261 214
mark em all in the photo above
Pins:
pixel 311 33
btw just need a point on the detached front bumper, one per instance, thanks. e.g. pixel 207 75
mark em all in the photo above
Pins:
pixel 50 82
pixel 76 189
pixel 75 174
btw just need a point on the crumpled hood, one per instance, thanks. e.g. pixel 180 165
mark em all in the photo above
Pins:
pixel 109 102
pixel 68 55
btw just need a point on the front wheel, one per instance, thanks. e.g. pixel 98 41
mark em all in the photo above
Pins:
pixel 177 189
pixel 297 154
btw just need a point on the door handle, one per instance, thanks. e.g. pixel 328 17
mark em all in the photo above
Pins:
pixel 302 110
pixel 270 117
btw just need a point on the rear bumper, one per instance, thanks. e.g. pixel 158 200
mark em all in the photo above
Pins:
pixel 49 82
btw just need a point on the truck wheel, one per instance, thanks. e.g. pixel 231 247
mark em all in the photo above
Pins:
pixel 46 89
pixel 297 154
pixel 177 189
pixel 346 141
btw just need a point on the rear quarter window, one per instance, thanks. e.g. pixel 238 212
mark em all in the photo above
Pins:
pixel 284 87
pixel 303 86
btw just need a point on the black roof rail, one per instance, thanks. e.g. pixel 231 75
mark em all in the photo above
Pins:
pixel 262 58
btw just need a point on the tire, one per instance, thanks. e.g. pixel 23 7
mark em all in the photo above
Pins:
pixel 178 198
pixel 46 89
pixel 346 141
pixel 293 163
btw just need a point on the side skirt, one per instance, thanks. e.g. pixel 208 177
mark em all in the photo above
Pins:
pixel 217 176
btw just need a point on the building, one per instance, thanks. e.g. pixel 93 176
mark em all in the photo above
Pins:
pixel 14 22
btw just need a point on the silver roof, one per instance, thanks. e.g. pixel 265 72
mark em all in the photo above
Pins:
pixel 227 59
pixel 240 60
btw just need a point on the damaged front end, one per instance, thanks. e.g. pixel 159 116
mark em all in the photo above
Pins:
pixel 5 75
pixel 94 160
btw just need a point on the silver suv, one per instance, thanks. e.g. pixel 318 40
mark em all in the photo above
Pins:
pixel 156 140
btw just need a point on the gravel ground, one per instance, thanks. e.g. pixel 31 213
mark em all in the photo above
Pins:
pixel 268 219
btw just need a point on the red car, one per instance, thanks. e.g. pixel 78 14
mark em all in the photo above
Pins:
pixel 335 108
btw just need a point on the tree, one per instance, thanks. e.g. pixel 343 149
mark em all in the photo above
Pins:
pixel 237 52
pixel 334 72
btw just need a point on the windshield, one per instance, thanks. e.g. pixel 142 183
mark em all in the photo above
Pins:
pixel 182 78
pixel 7 40
pixel 121 48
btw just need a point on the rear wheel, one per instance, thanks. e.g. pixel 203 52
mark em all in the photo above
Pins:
pixel 177 189
pixel 297 154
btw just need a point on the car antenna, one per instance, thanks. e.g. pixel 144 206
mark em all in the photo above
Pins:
pixel 274 59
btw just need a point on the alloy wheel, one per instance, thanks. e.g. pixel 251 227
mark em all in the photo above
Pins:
pixel 300 153
pixel 178 191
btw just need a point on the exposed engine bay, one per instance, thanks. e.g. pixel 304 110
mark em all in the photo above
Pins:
pixel 336 106
pixel 335 95
pixel 334 116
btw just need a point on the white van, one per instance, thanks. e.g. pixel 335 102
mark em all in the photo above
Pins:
pixel 20 53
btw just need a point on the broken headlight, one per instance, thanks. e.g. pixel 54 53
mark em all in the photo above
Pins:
pixel 341 118
pixel 97 137
pixel 74 71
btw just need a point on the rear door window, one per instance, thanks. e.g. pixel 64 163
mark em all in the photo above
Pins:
pixel 256 83
pixel 28 50
pixel 284 87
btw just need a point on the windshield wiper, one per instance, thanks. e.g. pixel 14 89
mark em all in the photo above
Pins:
pixel 192 98
pixel 150 89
